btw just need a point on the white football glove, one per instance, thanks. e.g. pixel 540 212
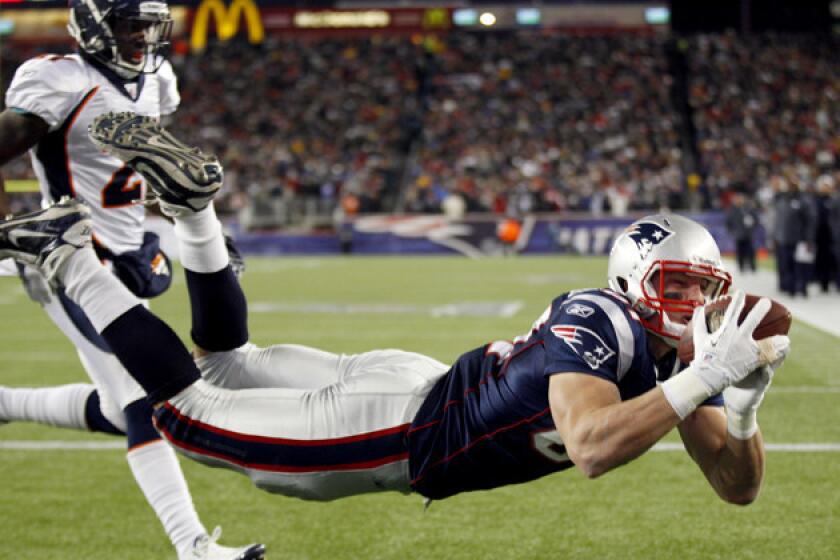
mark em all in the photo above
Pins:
pixel 723 357
pixel 743 398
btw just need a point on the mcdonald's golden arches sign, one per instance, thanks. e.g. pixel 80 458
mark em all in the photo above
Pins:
pixel 227 20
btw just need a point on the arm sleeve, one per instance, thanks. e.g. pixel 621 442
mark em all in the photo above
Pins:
pixel 169 96
pixel 48 87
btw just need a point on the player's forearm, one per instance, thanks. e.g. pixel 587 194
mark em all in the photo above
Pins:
pixel 736 470
pixel 608 437
pixel 18 133
pixel 734 467
pixel 739 470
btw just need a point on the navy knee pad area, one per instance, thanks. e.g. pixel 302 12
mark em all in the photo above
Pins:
pixel 219 310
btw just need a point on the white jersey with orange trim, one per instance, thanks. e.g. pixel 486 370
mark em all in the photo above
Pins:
pixel 68 92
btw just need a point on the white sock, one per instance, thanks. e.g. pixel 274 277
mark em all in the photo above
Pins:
pixel 62 406
pixel 99 293
pixel 200 241
pixel 159 476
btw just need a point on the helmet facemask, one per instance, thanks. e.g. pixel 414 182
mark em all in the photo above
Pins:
pixel 130 38
pixel 664 313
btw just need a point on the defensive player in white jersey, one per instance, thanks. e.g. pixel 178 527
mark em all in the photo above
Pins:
pixel 593 384
pixel 50 104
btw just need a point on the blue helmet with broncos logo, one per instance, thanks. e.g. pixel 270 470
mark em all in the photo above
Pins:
pixel 128 36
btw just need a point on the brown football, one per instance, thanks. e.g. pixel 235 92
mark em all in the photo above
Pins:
pixel 777 321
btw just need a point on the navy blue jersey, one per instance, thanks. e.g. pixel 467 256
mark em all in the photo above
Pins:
pixel 487 422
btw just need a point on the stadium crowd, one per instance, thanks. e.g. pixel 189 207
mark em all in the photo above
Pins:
pixel 517 125
pixel 503 123
pixel 764 106
pixel 304 120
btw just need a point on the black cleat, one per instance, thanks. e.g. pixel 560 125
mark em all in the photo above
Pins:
pixel 46 238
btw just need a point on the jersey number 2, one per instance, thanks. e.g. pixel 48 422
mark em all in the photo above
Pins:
pixel 122 190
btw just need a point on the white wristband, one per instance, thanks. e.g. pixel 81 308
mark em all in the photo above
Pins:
pixel 685 391
pixel 741 426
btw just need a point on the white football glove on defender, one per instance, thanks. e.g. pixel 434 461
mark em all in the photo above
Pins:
pixel 723 357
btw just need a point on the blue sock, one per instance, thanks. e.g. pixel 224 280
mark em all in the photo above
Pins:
pixel 95 420
pixel 219 310
pixel 152 353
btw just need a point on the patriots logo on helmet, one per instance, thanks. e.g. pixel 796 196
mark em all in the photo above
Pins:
pixel 647 235
pixel 586 344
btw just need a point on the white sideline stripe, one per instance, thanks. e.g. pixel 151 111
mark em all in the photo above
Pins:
pixel 47 445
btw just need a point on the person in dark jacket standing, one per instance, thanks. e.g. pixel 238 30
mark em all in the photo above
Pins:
pixel 824 265
pixel 834 228
pixel 741 223
pixel 794 236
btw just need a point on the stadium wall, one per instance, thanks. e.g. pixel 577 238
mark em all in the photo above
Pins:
pixel 471 236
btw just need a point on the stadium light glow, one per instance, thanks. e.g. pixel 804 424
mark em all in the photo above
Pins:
pixel 464 16
pixel 487 19
pixel 528 16
pixel 658 15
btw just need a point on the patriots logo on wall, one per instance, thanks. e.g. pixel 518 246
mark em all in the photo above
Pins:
pixel 586 344
pixel 647 235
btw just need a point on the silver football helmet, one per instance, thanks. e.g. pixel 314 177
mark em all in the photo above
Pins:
pixel 654 246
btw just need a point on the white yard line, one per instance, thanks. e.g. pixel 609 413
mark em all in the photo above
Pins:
pixel 53 445
pixel 804 389
pixel 785 447
pixel 457 309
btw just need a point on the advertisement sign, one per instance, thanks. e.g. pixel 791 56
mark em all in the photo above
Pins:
pixel 472 236
pixel 227 20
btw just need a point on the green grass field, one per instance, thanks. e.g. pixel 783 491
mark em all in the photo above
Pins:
pixel 84 504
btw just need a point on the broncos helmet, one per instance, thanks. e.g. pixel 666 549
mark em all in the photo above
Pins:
pixel 661 244
pixel 128 36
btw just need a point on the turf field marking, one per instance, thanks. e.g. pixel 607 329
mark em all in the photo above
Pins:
pixel 785 447
pixel 805 389
pixel 555 278
pixel 272 265
pixel 62 445
pixel 6 356
pixel 502 309
pixel 57 445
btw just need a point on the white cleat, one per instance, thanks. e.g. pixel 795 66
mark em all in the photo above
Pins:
pixel 183 179
pixel 205 548
pixel 45 239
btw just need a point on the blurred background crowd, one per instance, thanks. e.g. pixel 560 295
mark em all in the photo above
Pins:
pixel 514 123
